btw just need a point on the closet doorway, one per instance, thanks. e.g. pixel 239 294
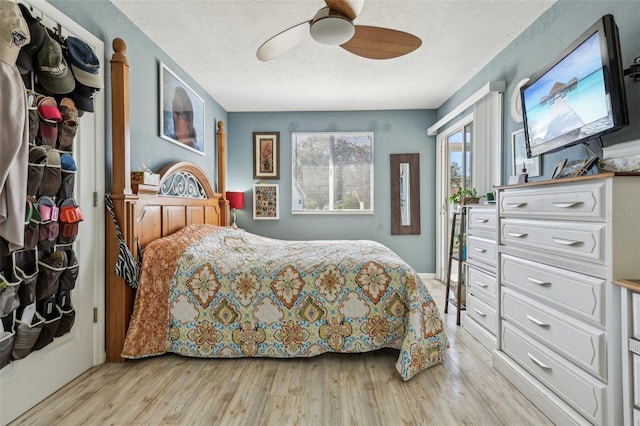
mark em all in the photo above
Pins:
pixel 455 152
pixel 25 382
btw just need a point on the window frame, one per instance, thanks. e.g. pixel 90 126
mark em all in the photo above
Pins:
pixel 294 138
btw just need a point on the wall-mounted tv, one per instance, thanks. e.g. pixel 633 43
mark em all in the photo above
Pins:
pixel 580 95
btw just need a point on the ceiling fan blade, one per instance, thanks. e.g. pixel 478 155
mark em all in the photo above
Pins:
pixel 283 42
pixel 350 8
pixel 381 43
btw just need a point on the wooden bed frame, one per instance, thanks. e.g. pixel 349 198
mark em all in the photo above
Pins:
pixel 152 211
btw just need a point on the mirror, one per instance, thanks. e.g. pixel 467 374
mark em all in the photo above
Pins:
pixel 405 194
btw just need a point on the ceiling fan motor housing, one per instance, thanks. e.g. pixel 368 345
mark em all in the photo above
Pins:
pixel 331 27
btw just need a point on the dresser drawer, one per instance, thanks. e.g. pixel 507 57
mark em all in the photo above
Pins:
pixel 482 250
pixel 480 218
pixel 581 294
pixel 482 285
pixel 583 392
pixel 583 344
pixel 482 313
pixel 578 201
pixel 583 241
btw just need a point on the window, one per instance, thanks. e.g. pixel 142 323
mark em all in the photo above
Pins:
pixel 332 172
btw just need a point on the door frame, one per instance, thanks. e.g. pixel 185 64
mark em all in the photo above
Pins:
pixel 442 191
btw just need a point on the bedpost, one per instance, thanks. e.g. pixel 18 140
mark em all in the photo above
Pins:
pixel 120 119
pixel 222 174
pixel 119 296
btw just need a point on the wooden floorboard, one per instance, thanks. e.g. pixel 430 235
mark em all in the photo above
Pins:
pixel 330 389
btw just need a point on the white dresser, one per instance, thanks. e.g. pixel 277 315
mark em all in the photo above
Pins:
pixel 561 244
pixel 482 286
pixel 630 322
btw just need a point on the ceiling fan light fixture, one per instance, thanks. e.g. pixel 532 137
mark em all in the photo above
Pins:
pixel 331 27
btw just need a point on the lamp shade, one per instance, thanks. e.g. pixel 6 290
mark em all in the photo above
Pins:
pixel 236 199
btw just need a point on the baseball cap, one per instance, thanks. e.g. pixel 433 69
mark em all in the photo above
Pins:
pixel 28 51
pixel 48 109
pixel 83 97
pixel 84 63
pixel 14 32
pixel 52 70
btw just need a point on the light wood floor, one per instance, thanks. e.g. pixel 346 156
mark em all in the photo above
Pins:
pixel 331 389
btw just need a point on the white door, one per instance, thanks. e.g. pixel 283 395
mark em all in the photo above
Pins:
pixel 455 152
pixel 26 382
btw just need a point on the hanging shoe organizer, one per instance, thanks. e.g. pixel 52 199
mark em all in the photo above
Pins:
pixel 37 281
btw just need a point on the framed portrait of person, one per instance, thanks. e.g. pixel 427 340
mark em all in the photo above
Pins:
pixel 181 112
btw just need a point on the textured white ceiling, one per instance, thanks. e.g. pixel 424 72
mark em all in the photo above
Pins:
pixel 215 41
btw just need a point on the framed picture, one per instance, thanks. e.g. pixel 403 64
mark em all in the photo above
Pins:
pixel 577 168
pixel 519 156
pixel 181 112
pixel 266 155
pixel 558 169
pixel 266 204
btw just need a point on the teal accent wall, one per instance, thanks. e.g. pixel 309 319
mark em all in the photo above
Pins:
pixel 105 21
pixel 538 45
pixel 395 132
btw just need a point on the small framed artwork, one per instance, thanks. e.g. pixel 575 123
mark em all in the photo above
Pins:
pixel 556 171
pixel 266 202
pixel 181 112
pixel 266 155
pixel 577 168
pixel 519 156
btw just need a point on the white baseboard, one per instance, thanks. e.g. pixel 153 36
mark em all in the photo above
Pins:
pixel 427 275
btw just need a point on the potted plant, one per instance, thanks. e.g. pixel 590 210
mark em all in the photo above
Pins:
pixel 464 196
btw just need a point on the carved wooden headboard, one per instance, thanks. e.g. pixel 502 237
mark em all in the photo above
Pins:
pixel 184 196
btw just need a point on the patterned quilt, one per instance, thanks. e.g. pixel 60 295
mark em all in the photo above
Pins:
pixel 209 291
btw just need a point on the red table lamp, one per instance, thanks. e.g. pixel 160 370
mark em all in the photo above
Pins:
pixel 236 201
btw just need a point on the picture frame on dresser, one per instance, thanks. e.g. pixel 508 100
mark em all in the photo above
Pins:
pixel 519 159
pixel 558 168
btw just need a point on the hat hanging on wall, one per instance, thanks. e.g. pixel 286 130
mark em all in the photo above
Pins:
pixel 29 51
pixel 53 72
pixel 14 32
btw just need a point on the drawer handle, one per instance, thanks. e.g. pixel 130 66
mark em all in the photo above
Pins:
pixel 537 321
pixel 566 204
pixel 480 312
pixel 482 284
pixel 539 282
pixel 566 242
pixel 516 204
pixel 537 361
pixel 481 250
pixel 482 220
pixel 517 235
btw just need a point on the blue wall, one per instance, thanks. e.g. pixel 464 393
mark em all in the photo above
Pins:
pixel 540 44
pixel 395 132
pixel 105 21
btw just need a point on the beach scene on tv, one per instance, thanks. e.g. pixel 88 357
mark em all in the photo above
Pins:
pixel 569 102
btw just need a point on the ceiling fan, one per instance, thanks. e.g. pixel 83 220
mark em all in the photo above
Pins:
pixel 333 25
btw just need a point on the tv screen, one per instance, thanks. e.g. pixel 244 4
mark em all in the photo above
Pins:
pixel 579 96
